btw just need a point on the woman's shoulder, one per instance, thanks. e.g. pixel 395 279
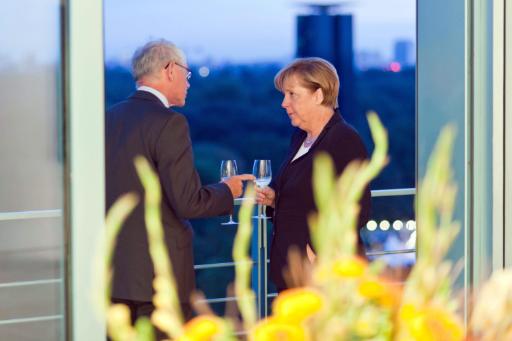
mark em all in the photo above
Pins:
pixel 344 141
pixel 343 130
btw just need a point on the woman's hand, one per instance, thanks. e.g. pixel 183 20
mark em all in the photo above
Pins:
pixel 265 196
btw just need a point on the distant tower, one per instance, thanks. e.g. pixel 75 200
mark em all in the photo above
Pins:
pixel 404 52
pixel 330 36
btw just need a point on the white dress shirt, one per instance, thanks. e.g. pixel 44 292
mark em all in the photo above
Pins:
pixel 302 150
pixel 155 92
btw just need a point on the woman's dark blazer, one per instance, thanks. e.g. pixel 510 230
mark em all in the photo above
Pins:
pixel 294 191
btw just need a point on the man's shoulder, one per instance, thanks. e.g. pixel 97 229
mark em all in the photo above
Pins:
pixel 143 110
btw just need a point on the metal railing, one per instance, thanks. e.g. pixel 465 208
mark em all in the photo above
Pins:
pixel 30 283
pixel 259 247
pixel 27 215
pixel 24 215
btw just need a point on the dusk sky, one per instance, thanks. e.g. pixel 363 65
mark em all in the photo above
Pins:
pixel 244 31
pixel 207 30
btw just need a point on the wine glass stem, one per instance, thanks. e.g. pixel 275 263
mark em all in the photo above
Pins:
pixel 261 210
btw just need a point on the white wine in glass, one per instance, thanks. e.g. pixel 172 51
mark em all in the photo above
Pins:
pixel 228 169
pixel 262 171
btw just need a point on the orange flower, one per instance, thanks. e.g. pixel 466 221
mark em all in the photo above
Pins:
pixel 296 305
pixel 273 329
pixel 430 324
pixel 202 328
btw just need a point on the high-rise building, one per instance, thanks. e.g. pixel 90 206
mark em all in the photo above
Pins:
pixel 330 36
pixel 367 59
pixel 404 52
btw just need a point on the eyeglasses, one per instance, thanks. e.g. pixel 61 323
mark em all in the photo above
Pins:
pixel 189 72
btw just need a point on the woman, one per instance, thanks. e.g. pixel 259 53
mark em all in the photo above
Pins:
pixel 310 87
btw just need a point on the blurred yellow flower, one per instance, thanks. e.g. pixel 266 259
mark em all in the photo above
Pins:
pixel 429 324
pixel 273 329
pixel 379 290
pixel 119 314
pixel 202 328
pixel 349 267
pixel 162 318
pixel 295 305
pixel 366 326
pixel 119 322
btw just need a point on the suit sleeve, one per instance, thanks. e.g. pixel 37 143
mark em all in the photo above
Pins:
pixel 180 180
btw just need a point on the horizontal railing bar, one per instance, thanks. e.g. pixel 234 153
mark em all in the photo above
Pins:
pixel 29 283
pixel 375 193
pixel 239 201
pixel 218 300
pixel 215 265
pixel 393 192
pixel 30 319
pixel 390 252
pixel 37 214
pixel 23 215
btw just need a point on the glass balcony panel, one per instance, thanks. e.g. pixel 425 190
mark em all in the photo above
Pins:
pixel 31 171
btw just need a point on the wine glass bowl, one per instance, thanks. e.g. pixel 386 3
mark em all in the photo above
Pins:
pixel 262 171
pixel 228 168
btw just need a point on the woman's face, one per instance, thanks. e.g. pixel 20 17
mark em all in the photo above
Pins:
pixel 301 104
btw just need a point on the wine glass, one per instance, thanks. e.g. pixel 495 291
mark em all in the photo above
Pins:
pixel 228 169
pixel 262 171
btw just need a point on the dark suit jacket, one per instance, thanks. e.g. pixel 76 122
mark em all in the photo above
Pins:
pixel 142 125
pixel 294 191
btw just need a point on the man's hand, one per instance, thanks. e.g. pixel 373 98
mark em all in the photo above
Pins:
pixel 310 253
pixel 265 196
pixel 235 183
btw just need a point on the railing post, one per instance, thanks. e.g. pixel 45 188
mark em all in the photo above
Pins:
pixel 256 257
pixel 259 256
pixel 263 263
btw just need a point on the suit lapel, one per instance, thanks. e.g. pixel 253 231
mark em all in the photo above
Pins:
pixel 297 142
pixel 298 136
pixel 336 117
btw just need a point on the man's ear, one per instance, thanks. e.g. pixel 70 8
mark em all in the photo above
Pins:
pixel 319 96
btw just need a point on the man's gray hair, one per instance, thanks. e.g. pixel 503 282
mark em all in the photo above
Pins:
pixel 153 56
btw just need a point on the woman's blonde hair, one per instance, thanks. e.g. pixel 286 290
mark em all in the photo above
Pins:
pixel 313 74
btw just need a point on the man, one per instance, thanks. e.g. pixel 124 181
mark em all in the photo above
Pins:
pixel 145 125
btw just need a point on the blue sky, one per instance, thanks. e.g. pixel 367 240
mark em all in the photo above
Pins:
pixel 243 30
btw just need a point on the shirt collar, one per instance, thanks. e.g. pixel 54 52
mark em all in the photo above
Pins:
pixel 155 92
